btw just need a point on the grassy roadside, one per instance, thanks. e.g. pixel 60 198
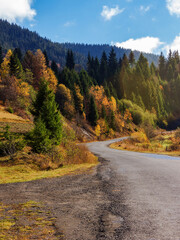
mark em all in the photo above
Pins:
pixel 23 173
pixel 166 143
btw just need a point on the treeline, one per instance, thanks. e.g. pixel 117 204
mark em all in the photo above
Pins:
pixel 77 94
pixel 12 36
pixel 155 89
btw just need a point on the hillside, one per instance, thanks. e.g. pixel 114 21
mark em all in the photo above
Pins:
pixel 12 36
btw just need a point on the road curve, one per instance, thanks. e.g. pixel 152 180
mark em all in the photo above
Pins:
pixel 150 186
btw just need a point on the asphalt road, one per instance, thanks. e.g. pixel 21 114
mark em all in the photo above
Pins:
pixel 146 193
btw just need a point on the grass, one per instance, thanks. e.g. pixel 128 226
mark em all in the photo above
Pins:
pixel 23 173
pixel 25 221
pixel 160 144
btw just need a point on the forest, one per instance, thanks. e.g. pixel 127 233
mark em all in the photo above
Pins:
pixel 12 36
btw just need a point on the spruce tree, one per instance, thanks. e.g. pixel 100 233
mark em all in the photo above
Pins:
pixel 48 120
pixel 93 112
pixel 39 137
pixel 54 67
pixel 70 60
pixel 103 68
pixel 131 59
pixel 162 66
pixel 112 63
pixel 1 55
pixel 46 57
pixel 15 66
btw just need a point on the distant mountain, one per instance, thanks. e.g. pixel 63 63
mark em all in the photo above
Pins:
pixel 12 36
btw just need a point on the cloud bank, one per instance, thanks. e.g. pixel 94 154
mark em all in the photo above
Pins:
pixel 107 13
pixel 13 10
pixel 145 44
pixel 173 7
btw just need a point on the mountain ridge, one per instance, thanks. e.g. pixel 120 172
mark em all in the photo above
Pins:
pixel 13 36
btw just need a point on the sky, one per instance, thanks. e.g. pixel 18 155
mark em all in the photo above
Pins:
pixel 150 26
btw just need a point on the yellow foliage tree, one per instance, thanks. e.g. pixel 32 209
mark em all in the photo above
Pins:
pixel 113 105
pixel 51 79
pixel 78 99
pixel 5 68
pixel 98 130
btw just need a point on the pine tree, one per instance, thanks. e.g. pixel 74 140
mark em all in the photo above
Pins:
pixel 70 60
pixel 103 68
pixel 1 55
pixel 112 63
pixel 162 66
pixel 131 59
pixel 54 67
pixel 112 121
pixel 17 51
pixel 15 66
pixel 39 137
pixel 93 112
pixel 103 113
pixel 46 57
pixel 45 109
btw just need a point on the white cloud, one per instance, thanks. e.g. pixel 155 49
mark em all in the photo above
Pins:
pixel 144 9
pixel 145 44
pixel 69 24
pixel 13 10
pixel 107 13
pixel 174 46
pixel 173 7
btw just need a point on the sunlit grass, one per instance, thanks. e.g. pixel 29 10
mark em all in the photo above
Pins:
pixel 22 173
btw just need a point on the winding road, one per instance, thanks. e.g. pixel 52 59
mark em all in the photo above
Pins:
pixel 129 196
pixel 147 193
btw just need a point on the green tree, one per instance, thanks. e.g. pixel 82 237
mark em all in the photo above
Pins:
pixel 46 57
pixel 15 66
pixel 162 66
pixel 131 59
pixel 112 63
pixel 93 112
pixel 39 137
pixel 1 55
pixel 103 68
pixel 47 117
pixel 54 67
pixel 70 60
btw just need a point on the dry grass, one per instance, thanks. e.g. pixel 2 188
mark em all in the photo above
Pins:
pixel 23 173
pixel 162 143
pixel 27 221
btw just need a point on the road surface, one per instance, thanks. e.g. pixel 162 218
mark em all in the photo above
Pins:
pixel 146 189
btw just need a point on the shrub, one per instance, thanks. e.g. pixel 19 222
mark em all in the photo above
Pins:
pixel 10 144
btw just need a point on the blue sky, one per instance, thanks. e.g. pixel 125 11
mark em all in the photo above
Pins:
pixel 150 26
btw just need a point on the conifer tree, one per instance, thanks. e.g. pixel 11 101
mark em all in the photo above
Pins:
pixel 131 59
pixel 46 57
pixel 54 67
pixel 112 121
pixel 1 55
pixel 112 63
pixel 162 66
pixel 103 113
pixel 39 137
pixel 103 68
pixel 93 112
pixel 46 111
pixel 17 51
pixel 15 66
pixel 70 60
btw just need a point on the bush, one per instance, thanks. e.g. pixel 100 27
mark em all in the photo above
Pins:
pixel 138 116
pixel 10 144
pixel 10 110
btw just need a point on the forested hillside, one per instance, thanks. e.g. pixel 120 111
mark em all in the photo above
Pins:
pixel 13 36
